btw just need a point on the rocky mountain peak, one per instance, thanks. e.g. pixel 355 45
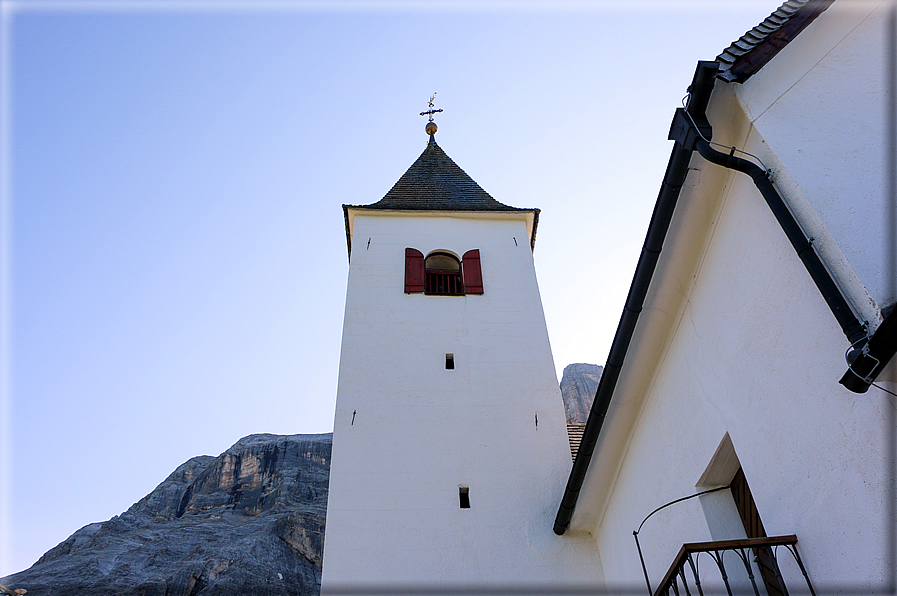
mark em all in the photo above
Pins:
pixel 250 521
pixel 578 386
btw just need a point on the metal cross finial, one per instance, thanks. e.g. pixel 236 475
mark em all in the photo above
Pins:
pixel 431 111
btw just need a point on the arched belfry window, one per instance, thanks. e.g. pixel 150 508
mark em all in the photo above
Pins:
pixel 442 274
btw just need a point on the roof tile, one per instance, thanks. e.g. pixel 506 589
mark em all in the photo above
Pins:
pixel 435 183
pixel 751 51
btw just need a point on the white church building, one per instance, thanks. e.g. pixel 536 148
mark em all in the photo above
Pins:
pixel 742 426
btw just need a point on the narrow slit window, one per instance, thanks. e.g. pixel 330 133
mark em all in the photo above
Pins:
pixel 464 496
pixel 449 362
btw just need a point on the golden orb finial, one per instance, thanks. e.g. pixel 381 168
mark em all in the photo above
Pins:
pixel 431 128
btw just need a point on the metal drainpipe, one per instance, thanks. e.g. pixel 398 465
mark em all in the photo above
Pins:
pixel 850 324
pixel 866 360
pixel 868 354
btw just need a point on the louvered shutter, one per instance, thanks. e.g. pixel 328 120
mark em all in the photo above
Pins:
pixel 414 271
pixel 470 270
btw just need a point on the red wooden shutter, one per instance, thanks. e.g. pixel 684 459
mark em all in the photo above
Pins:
pixel 470 270
pixel 414 271
pixel 753 528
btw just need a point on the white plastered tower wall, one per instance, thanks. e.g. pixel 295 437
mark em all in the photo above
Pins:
pixel 408 432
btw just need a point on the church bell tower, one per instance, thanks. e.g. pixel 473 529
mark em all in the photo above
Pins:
pixel 450 450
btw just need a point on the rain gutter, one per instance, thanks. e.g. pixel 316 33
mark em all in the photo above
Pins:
pixel 685 136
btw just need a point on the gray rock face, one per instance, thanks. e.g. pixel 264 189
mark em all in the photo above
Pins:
pixel 250 521
pixel 578 386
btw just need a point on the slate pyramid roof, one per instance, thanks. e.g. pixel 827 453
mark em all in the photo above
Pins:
pixel 435 183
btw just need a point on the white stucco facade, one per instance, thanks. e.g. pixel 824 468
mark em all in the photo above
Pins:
pixel 408 432
pixel 736 346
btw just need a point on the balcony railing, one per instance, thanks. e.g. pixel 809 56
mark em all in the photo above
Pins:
pixel 445 283
pixel 748 566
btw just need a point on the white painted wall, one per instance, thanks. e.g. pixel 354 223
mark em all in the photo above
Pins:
pixel 736 339
pixel 757 354
pixel 420 431
pixel 820 106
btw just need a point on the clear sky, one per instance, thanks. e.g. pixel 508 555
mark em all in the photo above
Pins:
pixel 173 248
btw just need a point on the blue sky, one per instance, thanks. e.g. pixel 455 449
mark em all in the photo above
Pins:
pixel 174 256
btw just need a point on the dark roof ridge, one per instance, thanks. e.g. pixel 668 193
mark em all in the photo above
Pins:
pixel 750 52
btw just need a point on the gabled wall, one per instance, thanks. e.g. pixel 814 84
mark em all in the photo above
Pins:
pixel 736 340
pixel 820 106
pixel 755 354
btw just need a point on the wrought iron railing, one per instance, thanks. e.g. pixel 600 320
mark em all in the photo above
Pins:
pixel 446 283
pixel 748 566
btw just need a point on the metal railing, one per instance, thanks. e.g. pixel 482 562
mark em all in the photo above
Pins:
pixel 748 566
pixel 446 283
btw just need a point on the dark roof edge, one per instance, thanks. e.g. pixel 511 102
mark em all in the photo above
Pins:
pixel 677 169
pixel 377 207
pixel 753 50
pixel 348 231
pixel 532 241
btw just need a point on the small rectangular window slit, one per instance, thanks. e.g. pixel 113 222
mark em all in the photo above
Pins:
pixel 449 362
pixel 464 496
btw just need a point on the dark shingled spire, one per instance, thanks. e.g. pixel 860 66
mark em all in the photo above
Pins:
pixel 435 183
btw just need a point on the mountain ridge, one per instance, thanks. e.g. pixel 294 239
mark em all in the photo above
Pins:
pixel 250 519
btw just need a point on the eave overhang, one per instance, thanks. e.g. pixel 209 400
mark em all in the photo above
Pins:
pixel 530 216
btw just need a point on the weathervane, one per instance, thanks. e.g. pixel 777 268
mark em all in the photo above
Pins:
pixel 431 126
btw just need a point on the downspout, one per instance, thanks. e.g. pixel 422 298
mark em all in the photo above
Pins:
pixel 867 359
pixel 677 169
pixel 868 355
pixel 850 325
